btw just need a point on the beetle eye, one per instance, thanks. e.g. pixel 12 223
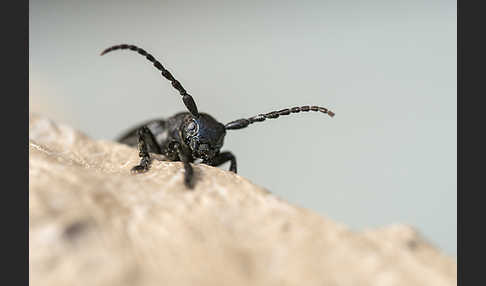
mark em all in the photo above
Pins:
pixel 191 126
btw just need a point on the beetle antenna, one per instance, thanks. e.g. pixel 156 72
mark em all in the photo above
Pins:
pixel 186 98
pixel 242 123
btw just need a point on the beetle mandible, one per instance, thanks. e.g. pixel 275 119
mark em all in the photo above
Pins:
pixel 188 136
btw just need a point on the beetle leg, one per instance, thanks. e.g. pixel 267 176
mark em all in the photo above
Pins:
pixel 189 172
pixel 146 140
pixel 222 158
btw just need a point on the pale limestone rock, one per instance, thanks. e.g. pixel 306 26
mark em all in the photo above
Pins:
pixel 93 223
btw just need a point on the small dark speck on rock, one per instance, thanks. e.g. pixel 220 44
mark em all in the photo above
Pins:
pixel 73 230
pixel 412 244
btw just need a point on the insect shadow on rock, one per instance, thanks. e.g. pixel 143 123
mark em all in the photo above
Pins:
pixel 188 136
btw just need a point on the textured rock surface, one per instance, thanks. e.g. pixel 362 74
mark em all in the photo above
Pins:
pixel 93 223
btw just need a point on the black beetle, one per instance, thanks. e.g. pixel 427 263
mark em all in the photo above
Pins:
pixel 188 136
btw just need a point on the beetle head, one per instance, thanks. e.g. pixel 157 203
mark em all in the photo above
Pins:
pixel 204 135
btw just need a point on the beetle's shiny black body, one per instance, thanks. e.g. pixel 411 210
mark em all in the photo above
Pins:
pixel 166 132
pixel 181 137
pixel 188 136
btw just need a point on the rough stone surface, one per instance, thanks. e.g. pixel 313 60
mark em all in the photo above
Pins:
pixel 93 223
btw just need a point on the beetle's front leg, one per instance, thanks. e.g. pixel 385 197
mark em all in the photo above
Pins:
pixel 189 172
pixel 146 140
pixel 222 158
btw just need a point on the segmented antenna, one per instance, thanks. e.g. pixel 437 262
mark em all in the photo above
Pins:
pixel 186 98
pixel 242 123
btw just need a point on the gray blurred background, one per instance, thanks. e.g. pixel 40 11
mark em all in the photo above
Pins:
pixel 386 68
